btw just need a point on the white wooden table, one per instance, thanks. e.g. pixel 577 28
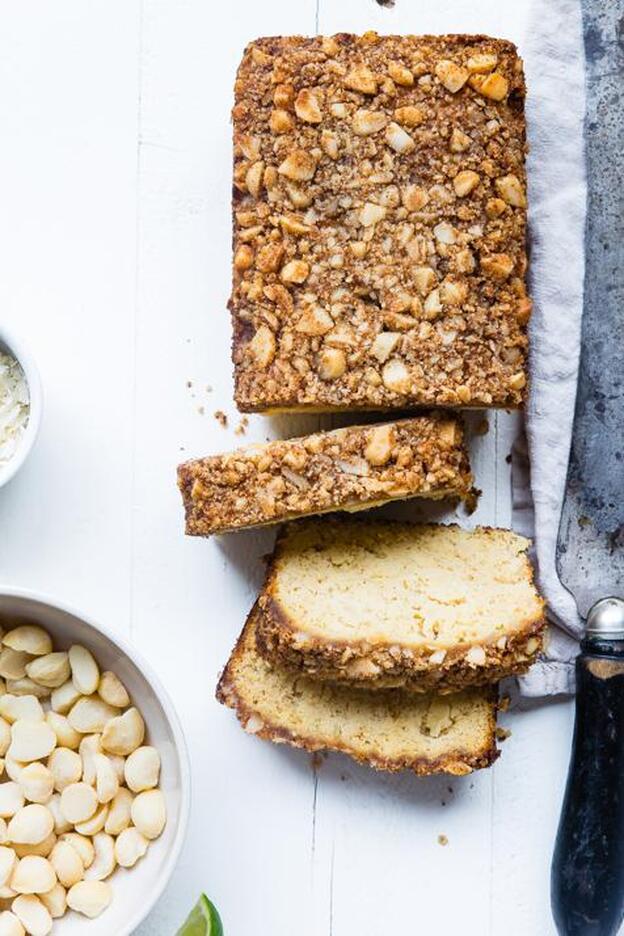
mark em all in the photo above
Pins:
pixel 114 260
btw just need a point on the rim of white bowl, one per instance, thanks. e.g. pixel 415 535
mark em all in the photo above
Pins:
pixel 20 352
pixel 178 734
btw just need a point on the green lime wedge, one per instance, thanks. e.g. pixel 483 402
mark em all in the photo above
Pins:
pixel 203 920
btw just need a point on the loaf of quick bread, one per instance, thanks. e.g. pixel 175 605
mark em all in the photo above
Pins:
pixel 379 218
pixel 427 607
pixel 388 730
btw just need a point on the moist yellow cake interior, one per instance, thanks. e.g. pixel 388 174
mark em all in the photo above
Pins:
pixel 385 725
pixel 415 585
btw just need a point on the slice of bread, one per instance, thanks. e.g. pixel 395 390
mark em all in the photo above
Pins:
pixel 353 468
pixel 388 730
pixel 394 604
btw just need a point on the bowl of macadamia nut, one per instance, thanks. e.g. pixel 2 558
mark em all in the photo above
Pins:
pixel 94 781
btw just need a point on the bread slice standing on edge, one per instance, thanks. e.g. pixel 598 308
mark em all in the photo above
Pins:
pixel 428 607
pixel 389 730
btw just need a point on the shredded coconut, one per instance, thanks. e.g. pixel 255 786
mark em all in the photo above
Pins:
pixel 14 407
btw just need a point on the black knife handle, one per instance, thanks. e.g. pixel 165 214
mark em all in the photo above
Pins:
pixel 587 874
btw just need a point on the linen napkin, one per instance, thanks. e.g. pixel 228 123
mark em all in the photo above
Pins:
pixel 555 67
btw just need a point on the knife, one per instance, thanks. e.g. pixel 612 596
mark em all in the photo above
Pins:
pixel 587 873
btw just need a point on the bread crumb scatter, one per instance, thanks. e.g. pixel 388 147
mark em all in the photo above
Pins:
pixel 442 840
pixel 221 418
pixel 242 426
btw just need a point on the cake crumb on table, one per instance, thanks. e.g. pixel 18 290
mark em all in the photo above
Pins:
pixel 221 418
pixel 442 840
pixel 242 426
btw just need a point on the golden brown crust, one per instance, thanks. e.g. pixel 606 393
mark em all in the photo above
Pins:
pixel 346 469
pixel 458 762
pixel 379 223
pixel 381 664
pixel 381 667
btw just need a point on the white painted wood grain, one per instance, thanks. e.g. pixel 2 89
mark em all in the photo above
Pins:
pixel 115 259
pixel 251 821
pixel 68 111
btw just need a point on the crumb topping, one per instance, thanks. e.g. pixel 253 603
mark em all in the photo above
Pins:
pixel 344 468
pixel 379 223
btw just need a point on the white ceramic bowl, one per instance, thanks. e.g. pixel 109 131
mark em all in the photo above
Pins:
pixel 9 344
pixel 135 890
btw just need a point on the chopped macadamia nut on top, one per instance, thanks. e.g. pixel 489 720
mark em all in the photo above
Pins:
pixel 368 171
pixel 357 466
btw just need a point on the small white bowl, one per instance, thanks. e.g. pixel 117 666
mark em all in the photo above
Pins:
pixel 10 345
pixel 135 890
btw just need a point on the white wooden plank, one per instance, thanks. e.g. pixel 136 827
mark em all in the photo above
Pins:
pixel 67 242
pixel 378 856
pixel 250 834
pixel 506 20
pixel 529 783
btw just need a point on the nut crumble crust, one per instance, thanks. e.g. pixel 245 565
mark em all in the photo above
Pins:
pixel 379 223
pixel 384 663
pixel 390 730
pixel 345 469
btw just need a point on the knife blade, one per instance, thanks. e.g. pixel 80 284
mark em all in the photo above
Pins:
pixel 587 872
pixel 590 547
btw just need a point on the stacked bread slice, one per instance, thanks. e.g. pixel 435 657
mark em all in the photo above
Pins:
pixel 385 641
pixel 389 729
